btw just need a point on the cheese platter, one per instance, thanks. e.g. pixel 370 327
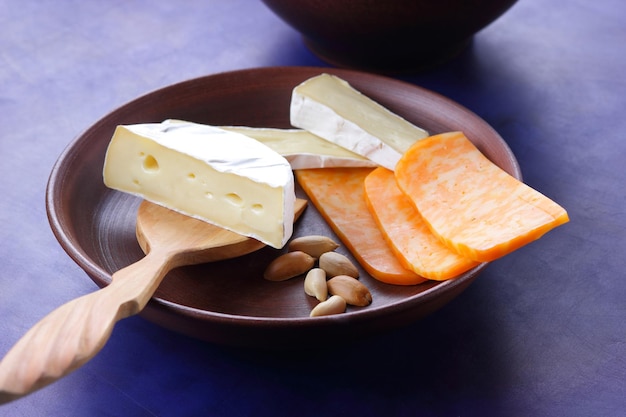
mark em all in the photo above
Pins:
pixel 228 301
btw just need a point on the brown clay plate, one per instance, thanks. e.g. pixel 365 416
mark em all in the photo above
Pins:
pixel 228 302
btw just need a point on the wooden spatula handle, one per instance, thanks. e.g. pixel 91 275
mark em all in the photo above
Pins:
pixel 72 334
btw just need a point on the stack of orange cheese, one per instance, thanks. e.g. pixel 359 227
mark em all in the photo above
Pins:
pixel 443 210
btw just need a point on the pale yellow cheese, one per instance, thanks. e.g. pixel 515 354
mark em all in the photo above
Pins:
pixel 331 108
pixel 303 149
pixel 221 177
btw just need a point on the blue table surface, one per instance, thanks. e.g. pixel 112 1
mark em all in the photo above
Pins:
pixel 542 332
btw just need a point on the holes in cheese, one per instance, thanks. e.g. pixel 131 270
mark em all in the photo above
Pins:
pixel 257 209
pixel 224 178
pixel 150 164
pixel 234 199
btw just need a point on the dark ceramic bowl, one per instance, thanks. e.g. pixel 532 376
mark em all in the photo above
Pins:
pixel 229 302
pixel 388 35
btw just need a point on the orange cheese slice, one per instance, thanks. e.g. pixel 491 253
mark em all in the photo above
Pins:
pixel 339 196
pixel 472 205
pixel 406 232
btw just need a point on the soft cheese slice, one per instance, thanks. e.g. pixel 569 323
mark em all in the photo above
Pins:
pixel 221 177
pixel 303 149
pixel 332 109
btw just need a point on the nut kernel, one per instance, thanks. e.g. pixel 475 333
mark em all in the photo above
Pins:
pixel 335 264
pixel 288 265
pixel 314 245
pixel 315 284
pixel 334 305
pixel 350 289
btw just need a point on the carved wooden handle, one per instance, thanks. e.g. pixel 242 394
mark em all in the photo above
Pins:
pixel 74 333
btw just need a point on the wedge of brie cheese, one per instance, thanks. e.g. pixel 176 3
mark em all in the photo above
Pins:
pixel 303 149
pixel 332 109
pixel 224 178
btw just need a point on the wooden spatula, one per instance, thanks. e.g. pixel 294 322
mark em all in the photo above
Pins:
pixel 74 333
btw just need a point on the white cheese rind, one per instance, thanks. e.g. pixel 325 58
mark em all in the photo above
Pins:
pixel 331 109
pixel 303 149
pixel 221 177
